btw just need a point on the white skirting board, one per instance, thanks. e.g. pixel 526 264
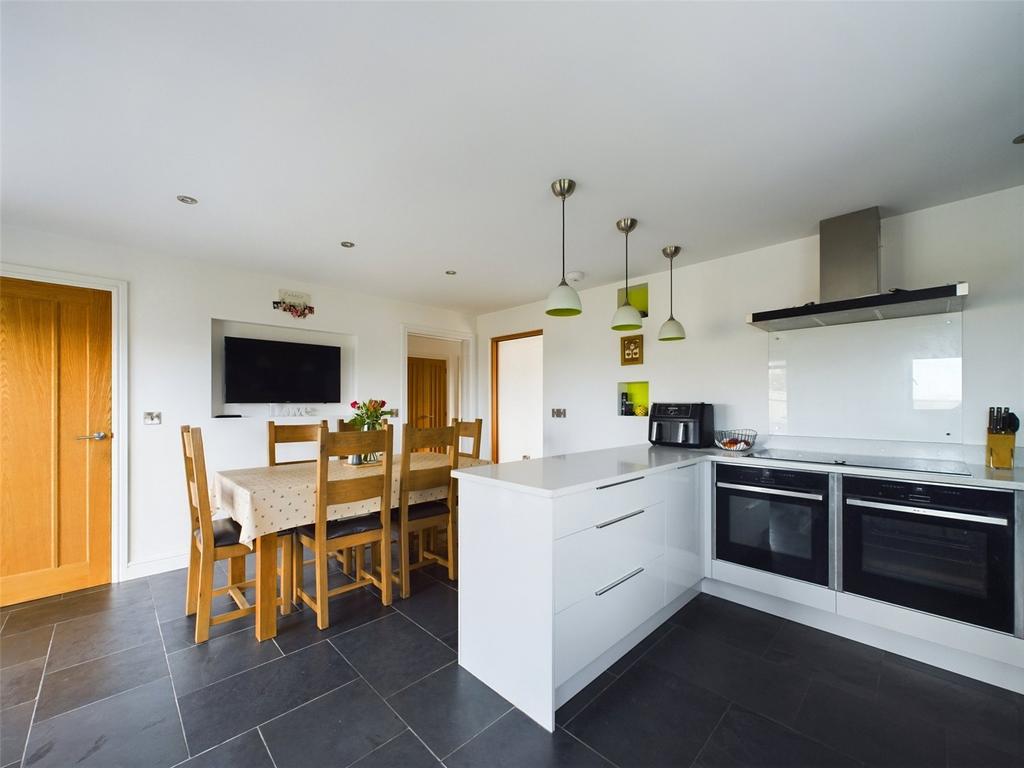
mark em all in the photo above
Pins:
pixel 997 671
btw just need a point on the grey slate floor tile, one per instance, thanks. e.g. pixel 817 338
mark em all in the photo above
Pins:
pixel 81 684
pixel 244 751
pixel 870 731
pixel 649 717
pixel 139 726
pixel 743 738
pixel 336 729
pixel 197 666
pixel 392 653
pixel 20 683
pixel 448 708
pixel 515 741
pixel 403 751
pixel 14 723
pixel 243 701
pixel 25 646
pixel 101 634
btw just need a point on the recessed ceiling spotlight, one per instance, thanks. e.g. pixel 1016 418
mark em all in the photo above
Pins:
pixel 347 244
pixel 187 200
pixel 449 272
pixel 1019 139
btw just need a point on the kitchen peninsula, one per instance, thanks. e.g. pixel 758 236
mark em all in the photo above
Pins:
pixel 569 561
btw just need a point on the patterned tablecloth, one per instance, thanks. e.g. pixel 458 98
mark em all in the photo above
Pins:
pixel 268 499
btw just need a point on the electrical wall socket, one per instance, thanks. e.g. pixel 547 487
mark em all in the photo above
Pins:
pixel 558 413
pixel 152 417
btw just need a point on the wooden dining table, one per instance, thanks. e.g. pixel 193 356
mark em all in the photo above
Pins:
pixel 267 500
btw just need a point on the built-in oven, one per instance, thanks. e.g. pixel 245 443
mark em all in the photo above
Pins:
pixel 941 549
pixel 775 520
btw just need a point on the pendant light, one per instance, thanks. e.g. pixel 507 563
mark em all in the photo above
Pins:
pixel 627 317
pixel 671 329
pixel 563 301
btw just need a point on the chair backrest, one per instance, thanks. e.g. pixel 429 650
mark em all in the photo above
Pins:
pixel 291 433
pixel 414 440
pixel 200 513
pixel 330 492
pixel 471 429
pixel 351 426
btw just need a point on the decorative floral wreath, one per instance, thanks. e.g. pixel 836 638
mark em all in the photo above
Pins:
pixel 295 310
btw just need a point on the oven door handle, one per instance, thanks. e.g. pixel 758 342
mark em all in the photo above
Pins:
pixel 773 491
pixel 929 512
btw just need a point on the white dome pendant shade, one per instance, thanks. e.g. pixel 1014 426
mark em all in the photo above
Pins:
pixel 671 329
pixel 627 317
pixel 563 301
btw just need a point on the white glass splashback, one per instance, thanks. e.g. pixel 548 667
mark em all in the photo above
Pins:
pixel 889 380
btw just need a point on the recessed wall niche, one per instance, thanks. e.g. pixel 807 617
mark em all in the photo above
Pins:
pixel 221 328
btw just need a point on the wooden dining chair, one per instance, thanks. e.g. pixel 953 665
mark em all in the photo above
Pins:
pixel 325 537
pixel 425 515
pixel 471 429
pixel 278 434
pixel 212 540
pixel 346 559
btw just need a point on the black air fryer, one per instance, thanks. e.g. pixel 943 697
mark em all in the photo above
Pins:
pixel 682 425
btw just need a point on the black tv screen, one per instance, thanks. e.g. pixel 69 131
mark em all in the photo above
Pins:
pixel 259 371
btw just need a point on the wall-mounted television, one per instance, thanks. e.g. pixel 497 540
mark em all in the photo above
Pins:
pixel 260 371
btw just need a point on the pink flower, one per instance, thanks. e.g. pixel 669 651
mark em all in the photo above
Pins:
pixel 354 404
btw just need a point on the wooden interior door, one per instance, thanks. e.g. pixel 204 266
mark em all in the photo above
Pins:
pixel 55 348
pixel 428 392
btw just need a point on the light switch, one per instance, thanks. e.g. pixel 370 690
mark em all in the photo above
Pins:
pixel 558 413
pixel 152 417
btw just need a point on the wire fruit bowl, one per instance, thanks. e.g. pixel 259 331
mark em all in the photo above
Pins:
pixel 735 439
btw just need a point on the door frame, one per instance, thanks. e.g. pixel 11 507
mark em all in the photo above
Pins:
pixel 495 341
pixel 118 290
pixel 467 376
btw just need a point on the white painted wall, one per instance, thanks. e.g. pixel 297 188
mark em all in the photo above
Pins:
pixel 171 303
pixel 521 398
pixel 724 361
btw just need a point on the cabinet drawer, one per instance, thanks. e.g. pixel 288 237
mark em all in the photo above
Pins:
pixel 588 560
pixel 588 508
pixel 590 627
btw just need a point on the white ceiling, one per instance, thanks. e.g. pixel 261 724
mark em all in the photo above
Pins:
pixel 429 133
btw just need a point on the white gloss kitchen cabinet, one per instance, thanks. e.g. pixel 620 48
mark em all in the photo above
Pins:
pixel 560 578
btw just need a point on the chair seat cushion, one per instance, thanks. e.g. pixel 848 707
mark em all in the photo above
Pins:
pixel 225 532
pixel 422 510
pixel 345 527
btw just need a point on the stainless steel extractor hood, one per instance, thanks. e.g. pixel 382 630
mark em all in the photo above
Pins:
pixel 850 282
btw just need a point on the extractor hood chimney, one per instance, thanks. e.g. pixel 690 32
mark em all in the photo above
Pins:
pixel 849 280
pixel 849 261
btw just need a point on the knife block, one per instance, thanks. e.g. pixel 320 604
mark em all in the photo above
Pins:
pixel 999 454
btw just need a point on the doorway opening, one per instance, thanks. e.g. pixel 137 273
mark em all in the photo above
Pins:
pixel 517 396
pixel 433 392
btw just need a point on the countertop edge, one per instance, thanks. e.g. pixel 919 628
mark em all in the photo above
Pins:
pixel 468 474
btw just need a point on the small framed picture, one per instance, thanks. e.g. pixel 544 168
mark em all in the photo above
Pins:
pixel 631 350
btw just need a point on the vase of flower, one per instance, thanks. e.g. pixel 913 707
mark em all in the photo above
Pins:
pixel 369 416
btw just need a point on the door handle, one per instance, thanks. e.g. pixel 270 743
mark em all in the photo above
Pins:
pixel 93 436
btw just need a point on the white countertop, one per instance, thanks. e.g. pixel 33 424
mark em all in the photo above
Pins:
pixel 573 472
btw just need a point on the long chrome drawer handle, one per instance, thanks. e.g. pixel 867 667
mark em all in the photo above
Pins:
pixel 616 583
pixel 621 482
pixel 772 491
pixel 619 519
pixel 929 512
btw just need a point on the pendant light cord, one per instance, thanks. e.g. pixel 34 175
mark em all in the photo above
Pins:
pixel 627 269
pixel 671 291
pixel 563 241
